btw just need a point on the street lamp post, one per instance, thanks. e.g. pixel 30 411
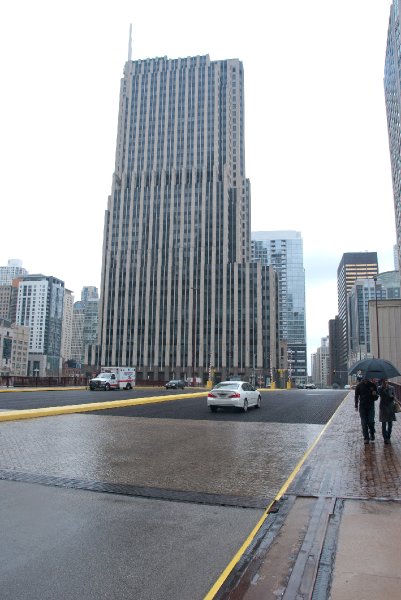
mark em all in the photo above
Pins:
pixel 377 320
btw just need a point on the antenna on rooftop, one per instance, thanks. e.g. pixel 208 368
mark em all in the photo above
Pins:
pixel 130 42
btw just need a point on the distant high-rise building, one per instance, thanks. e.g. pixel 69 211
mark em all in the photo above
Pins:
pixel 89 292
pixel 283 250
pixel 392 91
pixel 85 318
pixel 11 271
pixel 67 325
pixel 40 307
pixel 335 376
pixel 390 282
pixel 320 364
pixel 77 334
pixel 91 321
pixel 353 266
pixel 179 295
pixel 361 292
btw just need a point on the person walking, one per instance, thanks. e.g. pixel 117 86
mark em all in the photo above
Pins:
pixel 365 396
pixel 386 409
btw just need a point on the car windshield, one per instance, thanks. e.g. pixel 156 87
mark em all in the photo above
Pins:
pixel 230 385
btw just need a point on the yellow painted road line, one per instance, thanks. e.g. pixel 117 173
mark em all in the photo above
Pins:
pixel 15 415
pixel 223 576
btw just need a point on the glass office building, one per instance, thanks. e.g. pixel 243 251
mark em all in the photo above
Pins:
pixel 353 266
pixel 283 250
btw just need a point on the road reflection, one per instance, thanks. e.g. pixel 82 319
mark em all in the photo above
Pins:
pixel 233 458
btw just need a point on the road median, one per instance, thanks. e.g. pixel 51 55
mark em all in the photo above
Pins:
pixel 51 411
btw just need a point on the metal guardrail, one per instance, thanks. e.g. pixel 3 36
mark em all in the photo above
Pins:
pixel 70 381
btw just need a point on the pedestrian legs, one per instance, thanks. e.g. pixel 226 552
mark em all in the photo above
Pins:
pixel 367 414
pixel 387 427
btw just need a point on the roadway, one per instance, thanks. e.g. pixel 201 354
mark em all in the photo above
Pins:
pixel 143 501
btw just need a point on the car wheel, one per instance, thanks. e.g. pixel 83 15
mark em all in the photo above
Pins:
pixel 213 408
pixel 259 402
pixel 245 407
pixel 107 387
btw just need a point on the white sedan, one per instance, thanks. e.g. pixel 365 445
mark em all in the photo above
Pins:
pixel 233 393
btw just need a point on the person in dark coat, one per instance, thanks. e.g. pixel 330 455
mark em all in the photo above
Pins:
pixel 365 396
pixel 386 409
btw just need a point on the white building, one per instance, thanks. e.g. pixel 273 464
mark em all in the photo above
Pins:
pixel 40 307
pixel 11 271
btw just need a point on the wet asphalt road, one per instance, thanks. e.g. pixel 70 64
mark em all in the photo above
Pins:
pixel 141 502
pixel 281 406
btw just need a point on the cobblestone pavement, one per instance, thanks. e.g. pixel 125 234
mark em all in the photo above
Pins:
pixel 342 465
pixel 214 458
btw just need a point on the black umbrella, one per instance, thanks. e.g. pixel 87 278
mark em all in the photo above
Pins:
pixel 375 368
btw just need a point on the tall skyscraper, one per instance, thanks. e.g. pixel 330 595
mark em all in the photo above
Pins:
pixel 40 307
pixel 335 375
pixel 283 250
pixel 178 292
pixel 392 92
pixel 353 266
pixel 67 325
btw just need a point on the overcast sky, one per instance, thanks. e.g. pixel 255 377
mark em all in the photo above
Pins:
pixel 316 139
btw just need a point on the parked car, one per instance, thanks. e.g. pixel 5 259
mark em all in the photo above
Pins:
pixel 310 386
pixel 175 384
pixel 233 393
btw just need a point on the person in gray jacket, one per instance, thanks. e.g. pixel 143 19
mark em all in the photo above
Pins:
pixel 386 409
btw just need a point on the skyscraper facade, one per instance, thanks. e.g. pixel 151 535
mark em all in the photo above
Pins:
pixel 361 292
pixel 392 92
pixel 67 325
pixel 335 375
pixel 321 363
pixel 40 307
pixel 283 250
pixel 178 292
pixel 353 266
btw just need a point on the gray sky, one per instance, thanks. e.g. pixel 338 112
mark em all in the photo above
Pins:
pixel 316 138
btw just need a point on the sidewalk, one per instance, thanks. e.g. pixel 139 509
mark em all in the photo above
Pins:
pixel 336 533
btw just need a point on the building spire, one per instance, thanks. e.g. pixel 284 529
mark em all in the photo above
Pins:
pixel 130 42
